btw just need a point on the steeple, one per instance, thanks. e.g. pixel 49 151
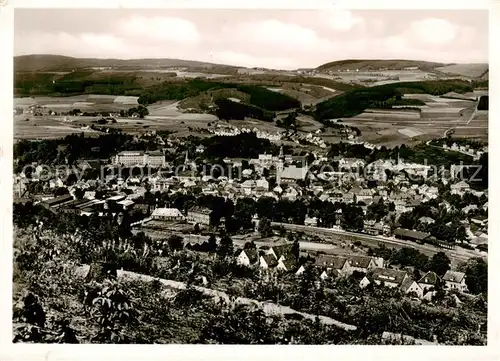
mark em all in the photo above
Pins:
pixel 281 156
pixel 186 160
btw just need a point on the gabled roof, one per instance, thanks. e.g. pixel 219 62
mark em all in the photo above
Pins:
pixel 199 210
pixel 330 261
pixel 453 276
pixel 270 260
pixel 407 284
pixel 289 264
pixel 388 275
pixel 282 250
pixel 251 254
pixel 430 278
pixel 359 261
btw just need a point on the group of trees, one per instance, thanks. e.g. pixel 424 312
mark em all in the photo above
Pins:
pixel 101 240
pixel 141 110
pixel 228 109
pixel 74 147
pixel 76 82
pixel 244 145
pixel 260 97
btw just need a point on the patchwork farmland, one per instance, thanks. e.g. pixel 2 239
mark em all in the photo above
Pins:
pixel 396 126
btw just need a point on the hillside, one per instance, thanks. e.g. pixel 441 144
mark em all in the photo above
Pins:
pixel 46 62
pixel 354 102
pixel 371 65
pixel 477 70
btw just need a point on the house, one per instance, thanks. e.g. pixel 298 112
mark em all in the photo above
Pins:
pixel 428 281
pixel 361 264
pixel 311 221
pixel 247 257
pixel 330 273
pixel 300 270
pixel 389 277
pixel 328 262
pixel 57 201
pixel 365 195
pixel 287 265
pixel 409 286
pixel 372 227
pixel 262 183
pixel 126 204
pixel 459 188
pixel 469 208
pixel 350 163
pixel 480 220
pixel 268 261
pixel 426 220
pixel 167 214
pixel 364 282
pixel 199 215
pixel 455 281
pixel 280 252
pixel 248 185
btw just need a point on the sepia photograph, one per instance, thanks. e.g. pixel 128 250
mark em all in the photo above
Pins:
pixel 250 176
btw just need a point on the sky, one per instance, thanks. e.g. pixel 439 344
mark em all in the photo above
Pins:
pixel 278 39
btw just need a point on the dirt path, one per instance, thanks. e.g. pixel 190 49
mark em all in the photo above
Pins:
pixel 268 307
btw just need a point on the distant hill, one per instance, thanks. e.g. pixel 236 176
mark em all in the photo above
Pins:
pixel 471 70
pixel 45 62
pixel 373 65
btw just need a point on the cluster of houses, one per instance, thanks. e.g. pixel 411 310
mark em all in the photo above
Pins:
pixel 466 149
pixel 352 181
pixel 231 131
pixel 374 270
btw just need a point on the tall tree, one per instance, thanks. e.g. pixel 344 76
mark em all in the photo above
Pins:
pixel 439 263
pixel 296 250
pixel 265 228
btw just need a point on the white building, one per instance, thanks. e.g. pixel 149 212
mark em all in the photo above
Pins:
pixel 167 214
pixel 140 158
pixel 455 281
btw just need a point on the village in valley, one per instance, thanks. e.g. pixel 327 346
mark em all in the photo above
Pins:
pixel 174 201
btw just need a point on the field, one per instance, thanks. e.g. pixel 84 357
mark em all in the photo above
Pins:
pixel 163 116
pixel 469 70
pixel 392 127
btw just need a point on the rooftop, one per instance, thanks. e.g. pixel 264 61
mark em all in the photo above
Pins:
pixel 453 276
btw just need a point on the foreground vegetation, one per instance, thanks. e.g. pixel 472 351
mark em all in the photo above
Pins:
pixel 52 303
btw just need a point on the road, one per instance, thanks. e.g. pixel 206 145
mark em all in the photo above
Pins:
pixel 374 241
pixel 449 150
pixel 466 122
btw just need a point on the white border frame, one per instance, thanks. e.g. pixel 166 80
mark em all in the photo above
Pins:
pixel 9 351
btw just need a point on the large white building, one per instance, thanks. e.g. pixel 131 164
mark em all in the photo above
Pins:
pixel 140 158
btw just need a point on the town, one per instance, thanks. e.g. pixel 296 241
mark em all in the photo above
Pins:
pixel 249 198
